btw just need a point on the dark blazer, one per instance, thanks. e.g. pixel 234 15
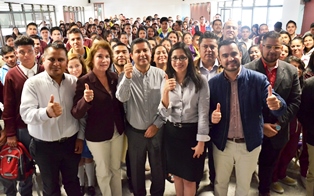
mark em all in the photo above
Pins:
pixel 287 85
pixel 103 112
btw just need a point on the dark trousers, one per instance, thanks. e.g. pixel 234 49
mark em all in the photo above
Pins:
pixel 138 146
pixel 54 158
pixel 304 157
pixel 266 164
pixel 211 166
pixel 25 187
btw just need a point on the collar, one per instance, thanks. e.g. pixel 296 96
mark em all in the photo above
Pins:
pixel 269 69
pixel 50 78
pixel 239 73
pixel 216 64
pixel 25 70
pixel 140 74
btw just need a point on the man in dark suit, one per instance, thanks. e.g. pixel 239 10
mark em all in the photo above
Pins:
pixel 284 79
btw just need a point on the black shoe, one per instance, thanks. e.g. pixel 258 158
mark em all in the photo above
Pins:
pixel 170 178
pixel 90 191
pixel 130 185
pixel 82 189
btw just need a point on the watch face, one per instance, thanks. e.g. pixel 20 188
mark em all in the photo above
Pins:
pixel 278 127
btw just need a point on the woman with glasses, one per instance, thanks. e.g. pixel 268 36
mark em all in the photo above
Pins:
pixel 185 105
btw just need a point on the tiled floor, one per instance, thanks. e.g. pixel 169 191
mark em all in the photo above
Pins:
pixel 205 190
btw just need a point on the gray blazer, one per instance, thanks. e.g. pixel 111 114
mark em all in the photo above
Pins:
pixel 287 85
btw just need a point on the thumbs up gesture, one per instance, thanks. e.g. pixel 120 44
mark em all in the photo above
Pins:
pixel 216 115
pixel 88 94
pixel 170 84
pixel 272 102
pixel 53 109
pixel 128 69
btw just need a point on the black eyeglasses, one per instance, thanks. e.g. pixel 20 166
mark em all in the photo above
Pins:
pixel 181 58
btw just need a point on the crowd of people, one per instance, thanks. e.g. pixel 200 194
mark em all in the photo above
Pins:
pixel 85 97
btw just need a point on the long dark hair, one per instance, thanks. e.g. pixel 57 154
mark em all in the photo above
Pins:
pixel 191 73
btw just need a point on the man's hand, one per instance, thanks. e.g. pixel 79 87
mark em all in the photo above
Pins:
pixel 128 69
pixel 53 109
pixel 199 149
pixel 216 115
pixel 78 146
pixel 270 130
pixel 12 141
pixel 151 131
pixel 3 137
pixel 272 102
pixel 88 94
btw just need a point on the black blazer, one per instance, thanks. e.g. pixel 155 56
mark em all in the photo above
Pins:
pixel 287 85
pixel 103 112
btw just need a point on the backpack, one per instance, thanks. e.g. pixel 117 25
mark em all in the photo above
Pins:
pixel 15 162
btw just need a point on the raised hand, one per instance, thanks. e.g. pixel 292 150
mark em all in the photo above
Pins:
pixel 272 102
pixel 216 115
pixel 170 84
pixel 88 94
pixel 53 109
pixel 128 69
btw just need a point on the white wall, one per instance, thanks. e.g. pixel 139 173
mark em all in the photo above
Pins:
pixel 145 8
pixel 292 10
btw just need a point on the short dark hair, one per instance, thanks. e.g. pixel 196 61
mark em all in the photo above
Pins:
pixel 31 24
pixel 23 41
pixel 217 20
pixel 197 33
pixel 56 46
pixel 208 35
pixel 291 21
pixel 139 41
pixel 55 29
pixel 74 31
pixel 245 27
pixel 163 19
pixel 8 37
pixel 271 34
pixel 227 43
pixel 119 44
pixel 44 28
pixel 6 49
pixel 34 37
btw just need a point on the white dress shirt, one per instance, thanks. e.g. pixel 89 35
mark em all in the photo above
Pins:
pixel 29 72
pixel 35 97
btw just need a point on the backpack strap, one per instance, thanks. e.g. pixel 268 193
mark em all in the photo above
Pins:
pixel 19 144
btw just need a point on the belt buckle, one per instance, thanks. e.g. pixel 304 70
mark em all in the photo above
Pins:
pixel 62 139
pixel 177 125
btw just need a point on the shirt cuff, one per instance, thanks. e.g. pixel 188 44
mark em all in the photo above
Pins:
pixel 202 138
pixel 43 114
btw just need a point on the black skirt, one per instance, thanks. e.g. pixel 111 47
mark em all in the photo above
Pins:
pixel 179 141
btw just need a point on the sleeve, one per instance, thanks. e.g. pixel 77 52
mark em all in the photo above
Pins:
pixel 30 111
pixel 123 93
pixel 10 104
pixel 82 123
pixel 203 114
pixel 293 101
pixel 80 106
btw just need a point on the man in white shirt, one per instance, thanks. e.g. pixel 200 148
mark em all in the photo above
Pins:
pixel 46 105
pixel 245 33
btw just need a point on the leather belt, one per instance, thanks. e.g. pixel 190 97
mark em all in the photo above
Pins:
pixel 237 140
pixel 61 140
pixel 182 125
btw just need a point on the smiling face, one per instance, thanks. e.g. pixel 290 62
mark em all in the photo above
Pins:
pixel 271 49
pixel 254 53
pixel 55 63
pixel 120 55
pixel 308 42
pixel 230 58
pixel 284 53
pixel 101 60
pixel 75 67
pixel 297 48
pixel 141 55
pixel 208 50
pixel 230 30
pixel 161 55
pixel 179 61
